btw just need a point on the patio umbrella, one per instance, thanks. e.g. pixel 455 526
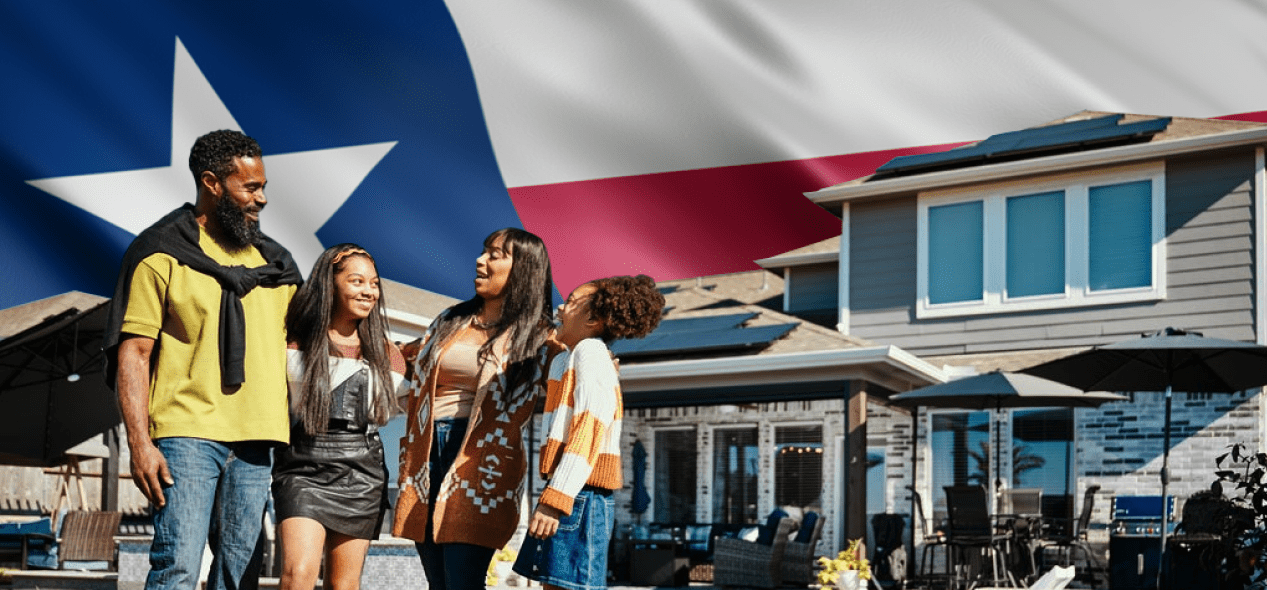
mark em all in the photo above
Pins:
pixel 994 391
pixel 641 500
pixel 997 390
pixel 51 395
pixel 1169 360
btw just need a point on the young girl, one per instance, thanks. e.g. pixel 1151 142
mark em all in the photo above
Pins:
pixel 330 484
pixel 572 525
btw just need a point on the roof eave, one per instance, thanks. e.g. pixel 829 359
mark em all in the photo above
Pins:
pixel 776 264
pixel 833 197
pixel 888 366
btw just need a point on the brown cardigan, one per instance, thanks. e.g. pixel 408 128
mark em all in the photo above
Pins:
pixel 478 501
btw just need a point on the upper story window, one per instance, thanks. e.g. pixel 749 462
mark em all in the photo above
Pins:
pixel 1074 240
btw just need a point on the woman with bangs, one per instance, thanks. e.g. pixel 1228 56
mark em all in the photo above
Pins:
pixel 476 375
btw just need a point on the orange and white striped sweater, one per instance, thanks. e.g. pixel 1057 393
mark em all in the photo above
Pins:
pixel 583 410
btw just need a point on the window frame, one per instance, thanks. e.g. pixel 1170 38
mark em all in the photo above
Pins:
pixel 773 453
pixel 653 465
pixel 1076 188
pixel 712 466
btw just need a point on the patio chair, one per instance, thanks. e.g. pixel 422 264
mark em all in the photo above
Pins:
pixel 86 540
pixel 1022 501
pixel 20 541
pixel 930 541
pixel 888 561
pixel 737 562
pixel 1024 509
pixel 1073 537
pixel 973 538
pixel 798 558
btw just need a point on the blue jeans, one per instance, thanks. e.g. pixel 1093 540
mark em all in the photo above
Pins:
pixel 450 566
pixel 227 482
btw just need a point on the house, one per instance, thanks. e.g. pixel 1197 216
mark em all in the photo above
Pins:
pixel 1031 244
pixel 742 407
pixel 1002 254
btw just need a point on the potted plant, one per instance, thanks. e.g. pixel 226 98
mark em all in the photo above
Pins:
pixel 1242 485
pixel 499 566
pixel 849 570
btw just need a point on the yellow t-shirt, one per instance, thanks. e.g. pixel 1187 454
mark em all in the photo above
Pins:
pixel 180 308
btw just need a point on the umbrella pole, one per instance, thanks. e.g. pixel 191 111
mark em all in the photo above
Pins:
pixel 910 562
pixel 998 456
pixel 1165 483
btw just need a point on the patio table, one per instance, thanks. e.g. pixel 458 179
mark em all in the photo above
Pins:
pixel 658 562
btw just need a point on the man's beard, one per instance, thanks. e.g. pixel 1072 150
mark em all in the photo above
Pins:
pixel 237 233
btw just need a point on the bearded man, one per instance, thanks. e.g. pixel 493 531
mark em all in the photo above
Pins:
pixel 196 347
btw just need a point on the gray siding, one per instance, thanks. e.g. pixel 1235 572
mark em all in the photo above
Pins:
pixel 813 287
pixel 1210 279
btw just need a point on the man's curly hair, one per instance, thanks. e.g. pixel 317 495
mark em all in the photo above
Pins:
pixel 630 307
pixel 215 151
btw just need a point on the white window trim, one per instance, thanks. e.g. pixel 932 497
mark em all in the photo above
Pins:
pixel 1077 291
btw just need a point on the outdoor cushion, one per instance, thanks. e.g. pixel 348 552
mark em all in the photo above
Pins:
pixel 697 537
pixel 807 528
pixel 766 536
pixel 749 533
pixel 38 534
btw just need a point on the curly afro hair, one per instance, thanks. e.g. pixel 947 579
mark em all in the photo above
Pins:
pixel 630 307
pixel 215 151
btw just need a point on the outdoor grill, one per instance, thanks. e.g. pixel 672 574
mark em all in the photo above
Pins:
pixel 1135 541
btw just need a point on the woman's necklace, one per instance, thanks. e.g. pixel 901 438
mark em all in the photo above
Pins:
pixel 351 340
pixel 478 323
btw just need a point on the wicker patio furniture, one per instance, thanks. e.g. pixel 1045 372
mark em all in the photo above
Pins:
pixel 737 562
pixel 798 557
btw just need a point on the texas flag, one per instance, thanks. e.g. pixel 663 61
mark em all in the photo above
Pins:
pixel 669 137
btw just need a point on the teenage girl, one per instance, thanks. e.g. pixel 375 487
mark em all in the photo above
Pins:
pixel 330 484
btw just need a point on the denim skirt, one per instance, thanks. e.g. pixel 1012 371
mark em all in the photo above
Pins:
pixel 575 558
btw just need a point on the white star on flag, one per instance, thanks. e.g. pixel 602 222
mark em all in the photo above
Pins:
pixel 304 188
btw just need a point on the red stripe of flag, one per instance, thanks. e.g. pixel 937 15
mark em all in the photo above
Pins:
pixel 688 223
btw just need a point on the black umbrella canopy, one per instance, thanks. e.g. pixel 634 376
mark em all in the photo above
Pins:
pixel 999 389
pixel 1164 361
pixel 51 396
pixel 1171 358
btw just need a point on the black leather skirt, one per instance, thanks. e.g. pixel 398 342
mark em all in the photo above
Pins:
pixel 338 479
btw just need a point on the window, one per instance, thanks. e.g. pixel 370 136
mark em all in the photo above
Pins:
pixel 675 484
pixel 735 464
pixel 960 453
pixel 1041 444
pixel 1068 241
pixel 1042 456
pixel 798 466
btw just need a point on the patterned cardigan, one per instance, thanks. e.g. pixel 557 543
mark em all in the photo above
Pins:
pixel 478 500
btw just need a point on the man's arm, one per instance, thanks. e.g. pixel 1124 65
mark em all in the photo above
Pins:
pixel 149 468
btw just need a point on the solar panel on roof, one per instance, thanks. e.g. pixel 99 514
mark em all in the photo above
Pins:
pixel 1015 143
pixel 682 342
pixel 703 324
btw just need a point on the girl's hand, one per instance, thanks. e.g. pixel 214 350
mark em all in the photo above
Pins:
pixel 545 522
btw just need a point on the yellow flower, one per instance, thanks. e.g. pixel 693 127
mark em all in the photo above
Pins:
pixel 851 559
